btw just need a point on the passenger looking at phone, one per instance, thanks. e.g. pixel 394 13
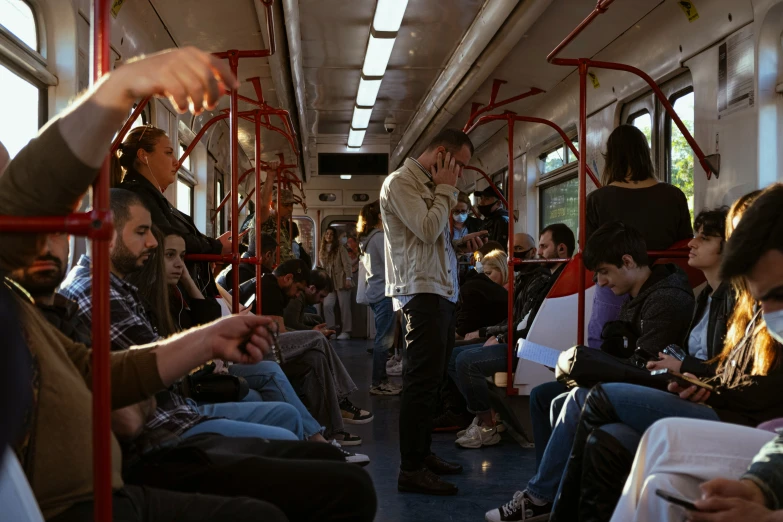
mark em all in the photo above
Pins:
pixel 462 220
pixel 699 460
pixel 495 216
pixel 483 300
pixel 714 304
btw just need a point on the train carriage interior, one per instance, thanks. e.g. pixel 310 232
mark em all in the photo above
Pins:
pixel 338 109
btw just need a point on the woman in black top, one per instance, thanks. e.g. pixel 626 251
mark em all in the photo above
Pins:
pixel 632 194
pixel 148 166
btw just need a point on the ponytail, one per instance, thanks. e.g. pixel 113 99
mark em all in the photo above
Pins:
pixel 123 161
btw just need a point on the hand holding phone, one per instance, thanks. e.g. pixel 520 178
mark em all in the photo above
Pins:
pixel 676 500
pixel 683 380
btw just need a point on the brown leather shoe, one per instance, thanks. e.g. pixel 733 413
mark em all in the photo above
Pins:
pixel 424 481
pixel 439 466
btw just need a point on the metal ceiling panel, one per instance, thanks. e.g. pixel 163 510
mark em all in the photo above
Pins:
pixel 526 65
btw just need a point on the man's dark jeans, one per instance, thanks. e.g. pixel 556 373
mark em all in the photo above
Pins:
pixel 430 321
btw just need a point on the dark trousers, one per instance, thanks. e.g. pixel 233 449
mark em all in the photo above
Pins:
pixel 430 321
pixel 544 414
pixel 306 480
pixel 141 504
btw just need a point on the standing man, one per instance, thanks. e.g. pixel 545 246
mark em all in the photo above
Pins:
pixel 421 277
pixel 495 216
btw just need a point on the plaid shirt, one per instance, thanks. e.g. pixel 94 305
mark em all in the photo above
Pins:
pixel 130 326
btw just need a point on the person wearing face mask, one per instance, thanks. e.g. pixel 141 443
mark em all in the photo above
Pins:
pixel 462 220
pixel 495 216
pixel 335 259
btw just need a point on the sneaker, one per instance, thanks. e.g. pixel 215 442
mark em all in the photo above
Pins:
pixel 346 439
pixel 386 388
pixel 461 433
pixel 450 421
pixel 354 415
pixel 395 370
pixel 394 359
pixel 477 436
pixel 351 457
pixel 343 336
pixel 332 337
pixel 520 508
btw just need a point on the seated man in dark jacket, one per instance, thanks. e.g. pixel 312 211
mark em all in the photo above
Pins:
pixel 247 271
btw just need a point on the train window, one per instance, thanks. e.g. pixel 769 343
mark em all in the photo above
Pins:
pixel 560 203
pixel 499 180
pixel 555 159
pixel 24 112
pixel 306 237
pixel 184 196
pixel 18 18
pixel 643 122
pixel 680 155
pixel 188 163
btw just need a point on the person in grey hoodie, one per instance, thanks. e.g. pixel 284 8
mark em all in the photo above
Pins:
pixel 370 229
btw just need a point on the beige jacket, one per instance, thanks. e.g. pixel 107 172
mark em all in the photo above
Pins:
pixel 339 267
pixel 415 212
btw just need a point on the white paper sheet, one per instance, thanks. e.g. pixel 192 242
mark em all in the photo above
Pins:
pixel 538 353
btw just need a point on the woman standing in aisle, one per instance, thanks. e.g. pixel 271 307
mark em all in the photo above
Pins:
pixel 335 260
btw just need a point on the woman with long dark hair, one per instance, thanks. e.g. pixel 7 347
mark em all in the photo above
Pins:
pixel 632 194
pixel 335 259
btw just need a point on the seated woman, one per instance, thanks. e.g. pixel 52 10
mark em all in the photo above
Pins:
pixel 266 379
pixel 483 301
pixel 747 385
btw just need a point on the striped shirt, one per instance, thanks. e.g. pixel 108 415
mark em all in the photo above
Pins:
pixel 399 301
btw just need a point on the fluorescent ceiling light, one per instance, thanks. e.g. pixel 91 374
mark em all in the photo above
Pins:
pixel 356 137
pixel 388 15
pixel 368 92
pixel 377 58
pixel 345 176
pixel 361 117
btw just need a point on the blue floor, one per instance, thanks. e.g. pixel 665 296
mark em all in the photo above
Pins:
pixel 491 474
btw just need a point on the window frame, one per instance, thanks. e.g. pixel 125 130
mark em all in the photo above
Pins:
pixel 668 127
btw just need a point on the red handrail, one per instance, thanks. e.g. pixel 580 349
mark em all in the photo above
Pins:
pixel 476 111
pixel 491 184
pixel 126 127
pixel 600 8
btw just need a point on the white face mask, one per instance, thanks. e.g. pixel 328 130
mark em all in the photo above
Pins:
pixel 479 267
pixel 774 322
pixel 461 218
pixel 343 240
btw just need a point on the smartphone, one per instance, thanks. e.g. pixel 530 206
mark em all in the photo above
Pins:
pixel 676 500
pixel 470 236
pixel 682 380
pixel 247 303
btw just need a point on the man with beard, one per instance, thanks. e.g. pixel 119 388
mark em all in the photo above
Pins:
pixel 131 247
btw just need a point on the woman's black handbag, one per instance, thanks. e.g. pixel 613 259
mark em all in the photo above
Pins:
pixel 206 386
pixel 586 367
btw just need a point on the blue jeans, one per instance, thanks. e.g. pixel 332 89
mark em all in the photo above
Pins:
pixel 268 383
pixel 636 406
pixel 264 420
pixel 469 366
pixel 606 307
pixel 546 401
pixel 384 338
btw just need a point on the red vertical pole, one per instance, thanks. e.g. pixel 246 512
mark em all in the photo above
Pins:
pixel 510 199
pixel 258 254
pixel 317 237
pixel 582 196
pixel 279 197
pixel 234 129
pixel 101 377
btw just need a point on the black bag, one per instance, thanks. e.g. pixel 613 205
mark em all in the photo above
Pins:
pixel 619 339
pixel 206 386
pixel 586 367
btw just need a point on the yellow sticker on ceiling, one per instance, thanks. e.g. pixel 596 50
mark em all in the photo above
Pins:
pixel 594 79
pixel 116 5
pixel 690 10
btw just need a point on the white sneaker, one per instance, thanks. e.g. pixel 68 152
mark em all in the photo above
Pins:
pixel 395 370
pixel 394 359
pixel 478 436
pixel 343 336
pixel 351 457
pixel 461 433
